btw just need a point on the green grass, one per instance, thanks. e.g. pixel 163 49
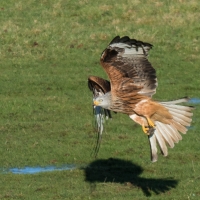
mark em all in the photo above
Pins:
pixel 48 49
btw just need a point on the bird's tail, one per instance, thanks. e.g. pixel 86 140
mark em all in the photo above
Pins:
pixel 170 133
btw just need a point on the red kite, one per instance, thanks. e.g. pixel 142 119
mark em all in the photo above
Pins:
pixel 132 83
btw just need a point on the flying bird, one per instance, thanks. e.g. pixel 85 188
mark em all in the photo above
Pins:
pixel 132 83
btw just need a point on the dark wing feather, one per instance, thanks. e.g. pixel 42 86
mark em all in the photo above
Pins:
pixel 125 61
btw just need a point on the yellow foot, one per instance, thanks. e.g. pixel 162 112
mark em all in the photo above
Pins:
pixel 145 129
pixel 150 122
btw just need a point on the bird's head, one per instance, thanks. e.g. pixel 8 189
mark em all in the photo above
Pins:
pixel 104 101
pixel 97 102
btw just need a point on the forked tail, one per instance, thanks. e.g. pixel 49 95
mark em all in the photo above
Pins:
pixel 170 133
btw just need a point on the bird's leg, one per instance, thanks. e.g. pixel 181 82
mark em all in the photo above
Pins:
pixel 151 124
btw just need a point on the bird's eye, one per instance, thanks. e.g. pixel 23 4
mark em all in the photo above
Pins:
pixel 100 100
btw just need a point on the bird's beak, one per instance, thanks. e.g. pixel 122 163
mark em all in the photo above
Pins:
pixel 96 103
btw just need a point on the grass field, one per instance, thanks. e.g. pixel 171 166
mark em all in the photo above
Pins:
pixel 48 49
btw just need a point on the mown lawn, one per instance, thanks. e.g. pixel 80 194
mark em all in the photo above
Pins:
pixel 48 49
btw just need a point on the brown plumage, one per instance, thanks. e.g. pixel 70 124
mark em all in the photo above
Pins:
pixel 132 83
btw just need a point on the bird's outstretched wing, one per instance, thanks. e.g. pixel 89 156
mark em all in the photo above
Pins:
pixel 99 87
pixel 125 61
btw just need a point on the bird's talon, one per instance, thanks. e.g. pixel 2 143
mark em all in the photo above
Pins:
pixel 145 130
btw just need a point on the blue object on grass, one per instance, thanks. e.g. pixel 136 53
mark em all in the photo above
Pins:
pixel 194 100
pixel 33 170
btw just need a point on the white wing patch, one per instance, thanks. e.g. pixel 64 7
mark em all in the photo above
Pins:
pixel 131 49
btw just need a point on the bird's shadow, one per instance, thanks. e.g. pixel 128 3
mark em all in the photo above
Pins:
pixel 125 172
